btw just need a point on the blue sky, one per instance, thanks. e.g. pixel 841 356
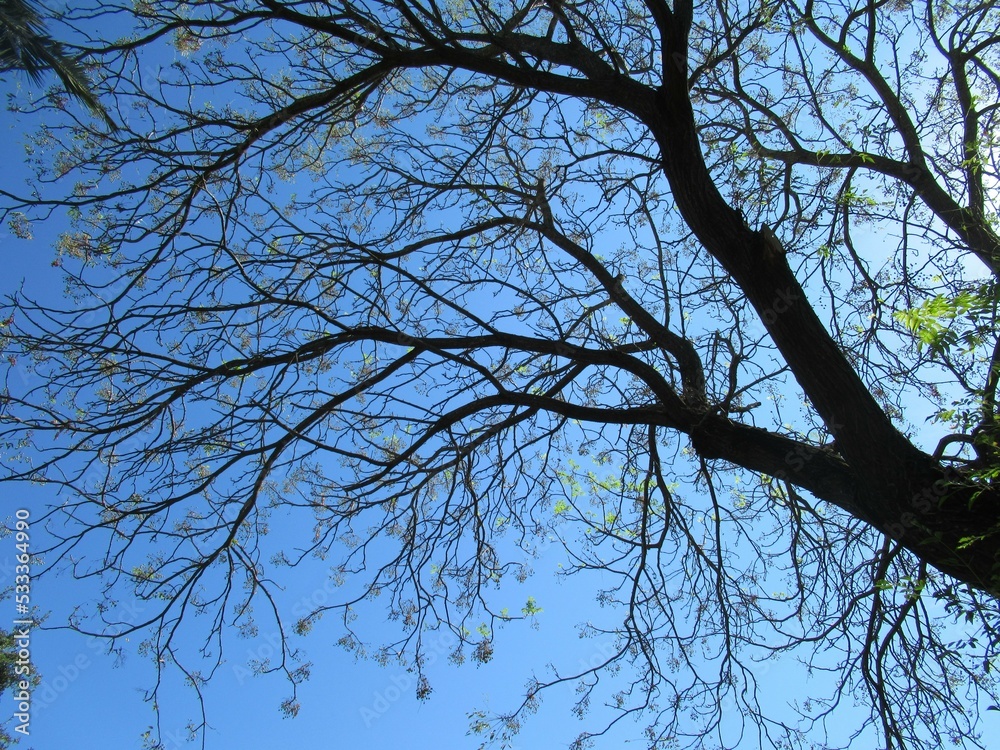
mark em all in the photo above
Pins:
pixel 89 699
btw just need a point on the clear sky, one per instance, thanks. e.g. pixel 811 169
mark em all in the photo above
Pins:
pixel 90 699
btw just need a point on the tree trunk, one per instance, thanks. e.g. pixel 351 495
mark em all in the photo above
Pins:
pixel 896 487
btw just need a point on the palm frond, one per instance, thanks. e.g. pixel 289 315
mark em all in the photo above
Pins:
pixel 25 45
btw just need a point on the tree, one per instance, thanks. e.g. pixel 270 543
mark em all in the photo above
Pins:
pixel 25 46
pixel 675 283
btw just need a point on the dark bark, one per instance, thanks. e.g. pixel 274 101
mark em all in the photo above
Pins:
pixel 892 481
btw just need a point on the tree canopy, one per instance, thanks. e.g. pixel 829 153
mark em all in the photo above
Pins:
pixel 25 46
pixel 707 291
